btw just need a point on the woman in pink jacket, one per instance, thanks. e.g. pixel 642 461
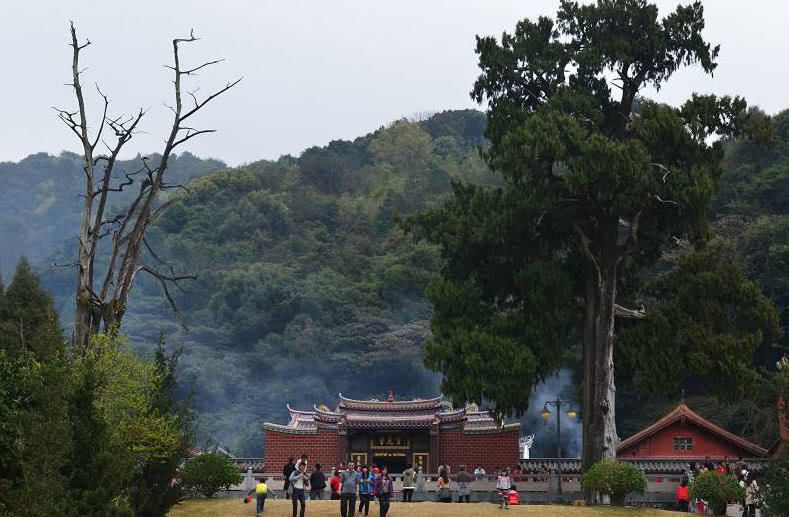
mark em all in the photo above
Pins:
pixel 384 490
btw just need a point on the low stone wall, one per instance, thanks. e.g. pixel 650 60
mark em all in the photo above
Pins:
pixel 484 490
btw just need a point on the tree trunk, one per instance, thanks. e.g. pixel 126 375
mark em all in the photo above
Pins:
pixel 599 430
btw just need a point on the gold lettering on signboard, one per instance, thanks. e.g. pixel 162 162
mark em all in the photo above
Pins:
pixel 390 441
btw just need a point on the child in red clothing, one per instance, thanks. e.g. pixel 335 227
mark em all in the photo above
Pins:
pixel 334 484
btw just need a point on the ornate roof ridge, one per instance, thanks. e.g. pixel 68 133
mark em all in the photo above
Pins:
pixel 346 399
pixel 298 411
pixel 376 404
pixel 288 429
pixel 316 409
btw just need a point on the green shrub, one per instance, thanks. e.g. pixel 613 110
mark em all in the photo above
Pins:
pixel 209 473
pixel 615 479
pixel 717 489
pixel 775 487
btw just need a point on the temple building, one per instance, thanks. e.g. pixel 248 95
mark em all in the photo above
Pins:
pixel 393 433
pixel 685 435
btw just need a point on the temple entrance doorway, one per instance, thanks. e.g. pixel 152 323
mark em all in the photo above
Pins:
pixel 395 462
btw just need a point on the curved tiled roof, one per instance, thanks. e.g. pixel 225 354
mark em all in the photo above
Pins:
pixel 386 405
pixel 683 411
pixel 289 429
pixel 383 414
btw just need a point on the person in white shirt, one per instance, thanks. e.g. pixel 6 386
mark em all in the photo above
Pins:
pixel 479 472
pixel 503 485
pixel 300 481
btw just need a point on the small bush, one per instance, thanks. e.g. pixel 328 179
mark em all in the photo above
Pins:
pixel 717 489
pixel 775 487
pixel 209 473
pixel 616 479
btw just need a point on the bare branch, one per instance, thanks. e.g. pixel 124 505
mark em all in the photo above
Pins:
pixel 666 201
pixel 162 209
pixel 623 312
pixel 103 117
pixel 190 135
pixel 585 245
pixel 663 168
pixel 195 69
pixel 153 253
pixel 209 99
pixel 163 280
pixel 172 186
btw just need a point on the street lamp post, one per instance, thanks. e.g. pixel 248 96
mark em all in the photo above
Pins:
pixel 546 415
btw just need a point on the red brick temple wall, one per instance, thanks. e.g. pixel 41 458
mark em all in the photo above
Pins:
pixel 489 450
pixel 322 448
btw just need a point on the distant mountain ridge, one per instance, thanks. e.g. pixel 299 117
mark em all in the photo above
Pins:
pixel 40 201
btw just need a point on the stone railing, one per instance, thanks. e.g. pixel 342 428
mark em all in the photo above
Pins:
pixel 538 483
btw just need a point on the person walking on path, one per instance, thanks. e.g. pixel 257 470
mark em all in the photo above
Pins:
pixel 384 489
pixel 334 485
pixel 366 489
pixel 683 497
pixel 752 497
pixel 317 483
pixel 261 491
pixel 408 483
pixel 503 485
pixel 287 470
pixel 420 480
pixel 349 486
pixel 442 487
pixel 299 481
pixel 464 480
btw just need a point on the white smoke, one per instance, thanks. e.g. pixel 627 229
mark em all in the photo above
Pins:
pixel 559 386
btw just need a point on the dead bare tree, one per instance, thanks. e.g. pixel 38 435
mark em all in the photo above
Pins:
pixel 105 306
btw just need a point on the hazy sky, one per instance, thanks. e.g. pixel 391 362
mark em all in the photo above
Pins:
pixel 313 71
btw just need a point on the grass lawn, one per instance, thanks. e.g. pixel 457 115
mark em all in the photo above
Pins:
pixel 283 508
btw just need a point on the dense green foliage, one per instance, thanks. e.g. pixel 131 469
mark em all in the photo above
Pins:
pixel 333 271
pixel 597 183
pixel 708 317
pixel 615 479
pixel 40 202
pixel 775 487
pixel 95 434
pixel 209 473
pixel 750 238
pixel 301 268
pixel 717 489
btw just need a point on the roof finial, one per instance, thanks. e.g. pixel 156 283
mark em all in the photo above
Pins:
pixel 682 397
pixel 390 398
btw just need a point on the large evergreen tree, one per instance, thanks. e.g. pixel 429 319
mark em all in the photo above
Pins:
pixel 598 181
pixel 27 312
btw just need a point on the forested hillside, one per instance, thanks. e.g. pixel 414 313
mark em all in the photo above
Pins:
pixel 40 201
pixel 307 286
pixel 749 225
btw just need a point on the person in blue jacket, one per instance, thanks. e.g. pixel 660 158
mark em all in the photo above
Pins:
pixel 366 489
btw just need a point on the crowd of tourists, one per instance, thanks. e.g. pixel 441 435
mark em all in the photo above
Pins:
pixel 351 484
pixel 728 467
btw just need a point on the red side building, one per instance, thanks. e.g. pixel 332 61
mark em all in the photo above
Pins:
pixel 394 433
pixel 683 434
